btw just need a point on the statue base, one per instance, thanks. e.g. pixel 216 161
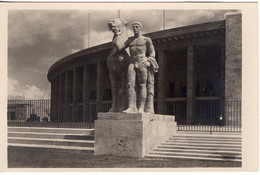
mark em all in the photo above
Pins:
pixel 131 134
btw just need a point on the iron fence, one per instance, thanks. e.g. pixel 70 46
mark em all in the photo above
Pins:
pixel 233 118
pixel 209 115
pixel 178 109
pixel 37 113
pixel 28 110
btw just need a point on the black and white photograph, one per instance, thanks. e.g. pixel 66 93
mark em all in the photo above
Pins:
pixel 127 87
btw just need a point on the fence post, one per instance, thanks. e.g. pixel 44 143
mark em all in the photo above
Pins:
pixel 211 115
pixel 90 111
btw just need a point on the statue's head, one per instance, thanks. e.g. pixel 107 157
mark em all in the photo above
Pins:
pixel 137 27
pixel 117 26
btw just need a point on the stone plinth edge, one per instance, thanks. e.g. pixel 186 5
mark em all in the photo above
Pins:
pixel 131 134
pixel 134 116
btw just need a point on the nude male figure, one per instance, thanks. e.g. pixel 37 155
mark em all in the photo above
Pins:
pixel 143 65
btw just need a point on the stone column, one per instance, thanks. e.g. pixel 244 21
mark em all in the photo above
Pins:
pixel 74 97
pixel 66 97
pixel 222 79
pixel 52 99
pixel 233 69
pixel 233 57
pixel 100 85
pixel 190 113
pixel 162 106
pixel 86 93
pixel 60 116
pixel 56 97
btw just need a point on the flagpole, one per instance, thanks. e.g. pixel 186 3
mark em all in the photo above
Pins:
pixel 163 19
pixel 88 30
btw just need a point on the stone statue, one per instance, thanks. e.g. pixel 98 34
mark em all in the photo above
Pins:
pixel 142 67
pixel 117 62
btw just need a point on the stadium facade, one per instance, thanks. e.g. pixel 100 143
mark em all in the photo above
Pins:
pixel 199 76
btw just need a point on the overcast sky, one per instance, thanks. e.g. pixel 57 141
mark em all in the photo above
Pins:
pixel 39 38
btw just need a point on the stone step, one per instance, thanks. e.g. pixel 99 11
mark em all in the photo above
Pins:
pixel 52 130
pixel 199 155
pixel 207 133
pixel 185 147
pixel 212 151
pixel 200 146
pixel 90 149
pixel 51 135
pixel 213 145
pixel 62 142
pixel 155 156
pixel 211 137
pixel 204 141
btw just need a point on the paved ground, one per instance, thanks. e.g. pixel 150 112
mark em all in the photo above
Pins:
pixel 19 157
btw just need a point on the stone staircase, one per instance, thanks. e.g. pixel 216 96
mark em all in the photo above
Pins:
pixel 184 145
pixel 56 138
pixel 201 146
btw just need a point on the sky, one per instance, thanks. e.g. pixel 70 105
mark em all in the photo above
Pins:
pixel 39 38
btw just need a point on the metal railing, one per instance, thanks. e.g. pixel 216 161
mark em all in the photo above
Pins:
pixel 207 112
pixel 178 109
pixel 37 113
pixel 233 118
pixel 28 110
pixel 209 115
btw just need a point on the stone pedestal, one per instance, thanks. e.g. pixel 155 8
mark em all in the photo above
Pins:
pixel 131 135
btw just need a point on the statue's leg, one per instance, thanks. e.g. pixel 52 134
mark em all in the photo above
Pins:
pixel 142 80
pixel 149 106
pixel 122 91
pixel 114 93
pixel 131 96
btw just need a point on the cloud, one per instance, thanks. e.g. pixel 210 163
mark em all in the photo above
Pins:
pixel 150 19
pixel 178 18
pixel 33 92
pixel 19 92
pixel 29 26
pixel 39 38
pixel 14 91
pixel 97 38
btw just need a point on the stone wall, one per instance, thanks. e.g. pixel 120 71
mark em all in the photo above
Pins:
pixel 233 85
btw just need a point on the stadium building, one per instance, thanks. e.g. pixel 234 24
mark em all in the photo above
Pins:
pixel 199 79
